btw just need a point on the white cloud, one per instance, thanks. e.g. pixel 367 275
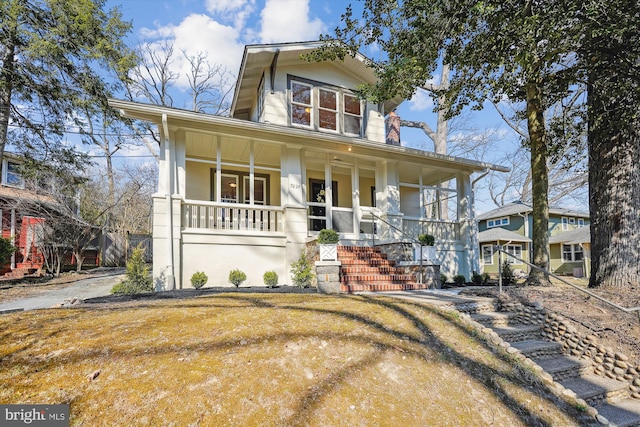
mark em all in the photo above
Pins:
pixel 420 101
pixel 288 21
pixel 200 33
pixel 236 11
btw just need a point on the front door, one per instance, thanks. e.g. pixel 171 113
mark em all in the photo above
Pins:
pixel 317 208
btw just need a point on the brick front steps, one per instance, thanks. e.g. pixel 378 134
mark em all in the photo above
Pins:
pixel 366 269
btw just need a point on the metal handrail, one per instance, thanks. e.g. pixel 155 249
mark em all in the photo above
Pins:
pixel 404 235
pixel 586 291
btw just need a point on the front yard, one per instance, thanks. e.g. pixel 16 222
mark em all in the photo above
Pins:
pixel 267 359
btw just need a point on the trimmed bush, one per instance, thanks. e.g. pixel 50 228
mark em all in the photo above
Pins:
pixel 236 277
pixel 507 273
pixel 270 279
pixel 443 279
pixel 477 279
pixel 485 278
pixel 138 279
pixel 459 279
pixel 6 250
pixel 328 237
pixel 426 240
pixel 199 279
pixel 302 271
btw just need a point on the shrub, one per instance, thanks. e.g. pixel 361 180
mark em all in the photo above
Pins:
pixel 459 279
pixel 485 278
pixel 138 279
pixel 426 240
pixel 507 273
pixel 328 237
pixel 270 279
pixel 477 279
pixel 6 250
pixel 199 279
pixel 443 278
pixel 236 277
pixel 302 271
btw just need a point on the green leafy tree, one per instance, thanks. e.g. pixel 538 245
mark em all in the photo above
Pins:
pixel 520 50
pixel 55 57
pixel 302 271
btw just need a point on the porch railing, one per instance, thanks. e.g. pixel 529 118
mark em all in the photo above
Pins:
pixel 232 217
pixel 441 229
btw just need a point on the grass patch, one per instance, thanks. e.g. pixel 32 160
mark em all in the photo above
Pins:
pixel 261 359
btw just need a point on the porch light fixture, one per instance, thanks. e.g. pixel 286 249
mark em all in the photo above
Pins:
pixel 233 185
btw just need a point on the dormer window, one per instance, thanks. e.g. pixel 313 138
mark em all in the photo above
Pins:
pixel 322 107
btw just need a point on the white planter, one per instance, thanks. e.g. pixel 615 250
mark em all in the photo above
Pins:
pixel 328 252
pixel 428 253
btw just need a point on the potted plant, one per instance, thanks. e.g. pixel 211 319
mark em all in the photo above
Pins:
pixel 328 243
pixel 426 250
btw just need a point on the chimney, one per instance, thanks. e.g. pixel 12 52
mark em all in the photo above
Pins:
pixel 392 125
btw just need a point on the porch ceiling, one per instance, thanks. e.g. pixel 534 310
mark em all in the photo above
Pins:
pixel 339 146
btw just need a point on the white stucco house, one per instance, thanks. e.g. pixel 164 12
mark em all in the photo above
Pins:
pixel 300 152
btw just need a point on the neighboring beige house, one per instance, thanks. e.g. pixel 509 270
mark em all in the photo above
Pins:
pixel 510 226
pixel 300 152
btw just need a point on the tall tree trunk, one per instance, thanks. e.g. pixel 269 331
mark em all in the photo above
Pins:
pixel 614 176
pixel 6 88
pixel 540 185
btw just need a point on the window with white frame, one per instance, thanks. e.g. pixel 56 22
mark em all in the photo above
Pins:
pixel 565 223
pixel 497 222
pixel 487 254
pixel 11 174
pixel 572 253
pixel 580 222
pixel 515 250
pixel 322 107
pixel 572 221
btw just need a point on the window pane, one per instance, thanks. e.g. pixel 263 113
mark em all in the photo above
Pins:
pixel 328 119
pixel 351 105
pixel 301 93
pixel 352 124
pixel 328 99
pixel 487 254
pixel 566 252
pixel 300 115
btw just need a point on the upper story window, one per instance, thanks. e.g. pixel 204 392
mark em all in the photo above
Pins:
pixel 260 103
pixel 323 107
pixel 11 174
pixel 497 222
pixel 565 223
pixel 580 222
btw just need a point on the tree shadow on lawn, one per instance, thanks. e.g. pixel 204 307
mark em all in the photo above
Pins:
pixel 495 380
pixel 492 378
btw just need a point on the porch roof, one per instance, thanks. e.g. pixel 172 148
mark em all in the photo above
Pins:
pixel 500 234
pixel 572 237
pixel 179 119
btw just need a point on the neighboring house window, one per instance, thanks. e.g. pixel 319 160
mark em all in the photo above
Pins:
pixel 11 174
pixel 487 254
pixel 515 250
pixel 580 222
pixel 497 222
pixel 322 107
pixel 565 223
pixel 572 253
pixel 572 221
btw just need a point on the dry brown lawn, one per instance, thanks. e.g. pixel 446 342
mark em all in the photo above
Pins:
pixel 269 360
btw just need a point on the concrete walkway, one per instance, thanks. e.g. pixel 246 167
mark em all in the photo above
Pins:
pixel 94 285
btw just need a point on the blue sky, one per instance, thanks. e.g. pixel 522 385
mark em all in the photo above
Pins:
pixel 223 27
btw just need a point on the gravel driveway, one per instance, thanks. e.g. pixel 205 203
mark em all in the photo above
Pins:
pixel 90 287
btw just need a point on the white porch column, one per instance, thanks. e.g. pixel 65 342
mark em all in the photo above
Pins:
pixel 468 232
pixel 293 188
pixel 388 200
pixel 167 209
